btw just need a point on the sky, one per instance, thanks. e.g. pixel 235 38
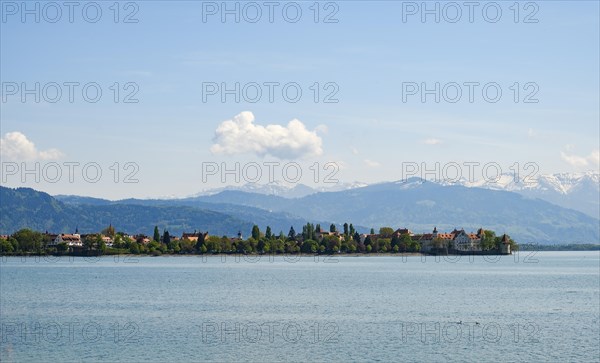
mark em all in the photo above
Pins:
pixel 186 96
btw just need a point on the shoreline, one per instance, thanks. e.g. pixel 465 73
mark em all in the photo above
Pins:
pixel 292 255
pixel 253 255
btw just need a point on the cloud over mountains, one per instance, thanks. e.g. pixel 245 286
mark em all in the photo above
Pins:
pixel 242 136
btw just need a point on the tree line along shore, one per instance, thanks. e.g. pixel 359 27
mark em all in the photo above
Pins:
pixel 313 239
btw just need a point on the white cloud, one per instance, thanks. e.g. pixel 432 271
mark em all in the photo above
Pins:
pixel 592 159
pixel 241 135
pixel 432 141
pixel 372 164
pixel 574 160
pixel 354 151
pixel 15 146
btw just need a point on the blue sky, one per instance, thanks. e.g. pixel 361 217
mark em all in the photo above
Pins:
pixel 369 54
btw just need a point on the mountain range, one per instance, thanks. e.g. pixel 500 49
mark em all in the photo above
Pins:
pixel 414 203
pixel 282 189
pixel 578 191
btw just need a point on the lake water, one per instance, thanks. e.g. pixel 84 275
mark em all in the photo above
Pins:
pixel 542 307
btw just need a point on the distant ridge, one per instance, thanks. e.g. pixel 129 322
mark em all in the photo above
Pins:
pixel 578 191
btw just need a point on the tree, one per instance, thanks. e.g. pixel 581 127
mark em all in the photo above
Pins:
pixel 62 247
pixel 291 247
pixel 310 246
pixel 266 248
pixel 260 245
pixel 156 234
pixel 134 248
pixel 332 243
pixel 152 245
pixel 127 242
pixel 171 246
pixel 395 241
pixel 416 247
pixel 5 247
pixel 488 240
pixel 372 231
pixel 28 240
pixel 200 243
pixel 255 232
pixel 308 231
pixel 118 241
pixel 332 228
pixel 268 233
pixel 166 238
pixel 225 245
pixel 405 243
pixel 346 230
pixel 213 244
pixel 186 246
pixel 92 241
pixel 344 246
pixel 352 247
pixel 46 239
pixel 352 231
pixel 384 244
pixel 101 245
pixel 278 245
pixel 292 233
pixel 386 232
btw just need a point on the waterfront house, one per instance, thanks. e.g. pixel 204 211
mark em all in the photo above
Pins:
pixel 108 241
pixel 193 237
pixel 71 240
pixel 437 240
pixel 466 241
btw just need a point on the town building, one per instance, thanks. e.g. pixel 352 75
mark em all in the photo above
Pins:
pixel 193 237
pixel 71 240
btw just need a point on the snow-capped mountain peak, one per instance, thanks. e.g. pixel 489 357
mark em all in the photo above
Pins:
pixel 283 189
pixel 579 191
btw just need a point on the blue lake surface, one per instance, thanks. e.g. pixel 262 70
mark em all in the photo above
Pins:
pixel 527 307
